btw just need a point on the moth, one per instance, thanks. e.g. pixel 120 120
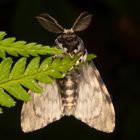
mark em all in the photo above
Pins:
pixel 81 93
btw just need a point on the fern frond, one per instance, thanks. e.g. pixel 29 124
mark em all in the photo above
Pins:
pixel 14 79
pixel 16 48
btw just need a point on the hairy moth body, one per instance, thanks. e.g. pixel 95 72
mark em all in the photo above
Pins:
pixel 81 93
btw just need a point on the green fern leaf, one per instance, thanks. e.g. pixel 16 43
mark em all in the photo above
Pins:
pixel 13 81
pixel 5 99
pixel 8 41
pixel 2 53
pixel 5 68
pixel 66 64
pixel 2 35
pixel 55 63
pixel 32 66
pixel 44 78
pixel 45 64
pixel 31 84
pixel 16 90
pixel 16 48
pixel 90 57
pixel 15 78
pixel 18 68
pixel 1 110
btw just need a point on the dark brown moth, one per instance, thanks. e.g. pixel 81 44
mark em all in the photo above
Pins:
pixel 80 93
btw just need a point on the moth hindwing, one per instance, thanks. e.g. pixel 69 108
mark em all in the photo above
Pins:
pixel 81 93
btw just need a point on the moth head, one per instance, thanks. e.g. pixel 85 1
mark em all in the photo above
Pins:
pixel 67 39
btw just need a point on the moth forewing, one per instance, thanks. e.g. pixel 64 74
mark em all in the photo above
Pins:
pixel 42 109
pixel 94 106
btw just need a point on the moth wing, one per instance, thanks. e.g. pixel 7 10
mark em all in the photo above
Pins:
pixel 42 109
pixel 49 23
pixel 94 105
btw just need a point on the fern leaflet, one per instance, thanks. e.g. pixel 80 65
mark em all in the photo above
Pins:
pixel 14 80
pixel 16 48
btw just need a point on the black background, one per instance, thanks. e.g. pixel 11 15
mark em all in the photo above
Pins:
pixel 114 36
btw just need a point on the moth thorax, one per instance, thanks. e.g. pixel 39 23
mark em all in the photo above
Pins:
pixel 68 89
pixel 70 42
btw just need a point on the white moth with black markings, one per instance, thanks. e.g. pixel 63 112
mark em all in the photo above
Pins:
pixel 80 93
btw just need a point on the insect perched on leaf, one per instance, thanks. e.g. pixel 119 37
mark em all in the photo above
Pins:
pixel 80 93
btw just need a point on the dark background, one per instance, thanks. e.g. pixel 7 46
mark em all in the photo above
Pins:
pixel 114 36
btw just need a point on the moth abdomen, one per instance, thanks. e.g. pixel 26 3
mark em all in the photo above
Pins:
pixel 68 89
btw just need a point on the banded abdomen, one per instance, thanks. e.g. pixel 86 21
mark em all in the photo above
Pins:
pixel 68 89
